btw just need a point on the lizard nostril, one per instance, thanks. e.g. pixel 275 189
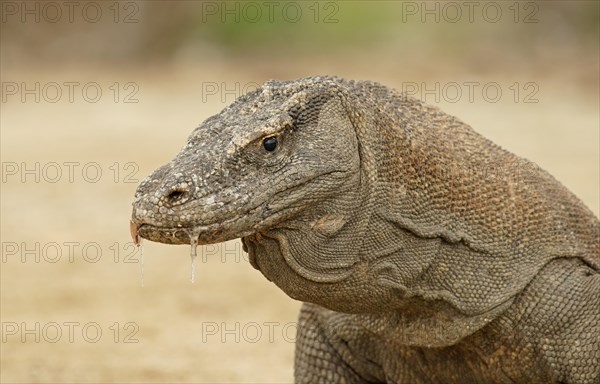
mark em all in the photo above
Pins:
pixel 175 195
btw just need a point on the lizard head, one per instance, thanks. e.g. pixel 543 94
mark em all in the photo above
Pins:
pixel 259 164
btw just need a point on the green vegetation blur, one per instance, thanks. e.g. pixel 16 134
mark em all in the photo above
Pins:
pixel 142 31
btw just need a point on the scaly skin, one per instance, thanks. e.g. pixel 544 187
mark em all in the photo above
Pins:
pixel 424 253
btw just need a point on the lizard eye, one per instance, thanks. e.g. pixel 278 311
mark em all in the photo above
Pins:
pixel 270 143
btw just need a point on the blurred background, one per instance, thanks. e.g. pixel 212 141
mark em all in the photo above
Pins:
pixel 96 95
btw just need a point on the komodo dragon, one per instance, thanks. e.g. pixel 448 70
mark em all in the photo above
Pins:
pixel 423 252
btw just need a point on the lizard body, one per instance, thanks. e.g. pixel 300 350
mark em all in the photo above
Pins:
pixel 423 251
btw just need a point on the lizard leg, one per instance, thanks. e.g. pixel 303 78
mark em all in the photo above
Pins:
pixel 316 360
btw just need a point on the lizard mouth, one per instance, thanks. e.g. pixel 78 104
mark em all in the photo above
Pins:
pixel 204 234
pixel 235 227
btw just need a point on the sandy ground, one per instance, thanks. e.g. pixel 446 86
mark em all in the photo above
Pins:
pixel 68 267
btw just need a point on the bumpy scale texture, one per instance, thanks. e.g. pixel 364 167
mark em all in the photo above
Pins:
pixel 424 253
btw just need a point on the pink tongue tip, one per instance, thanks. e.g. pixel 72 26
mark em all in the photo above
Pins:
pixel 133 229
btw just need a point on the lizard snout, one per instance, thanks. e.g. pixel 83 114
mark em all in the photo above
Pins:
pixel 161 198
